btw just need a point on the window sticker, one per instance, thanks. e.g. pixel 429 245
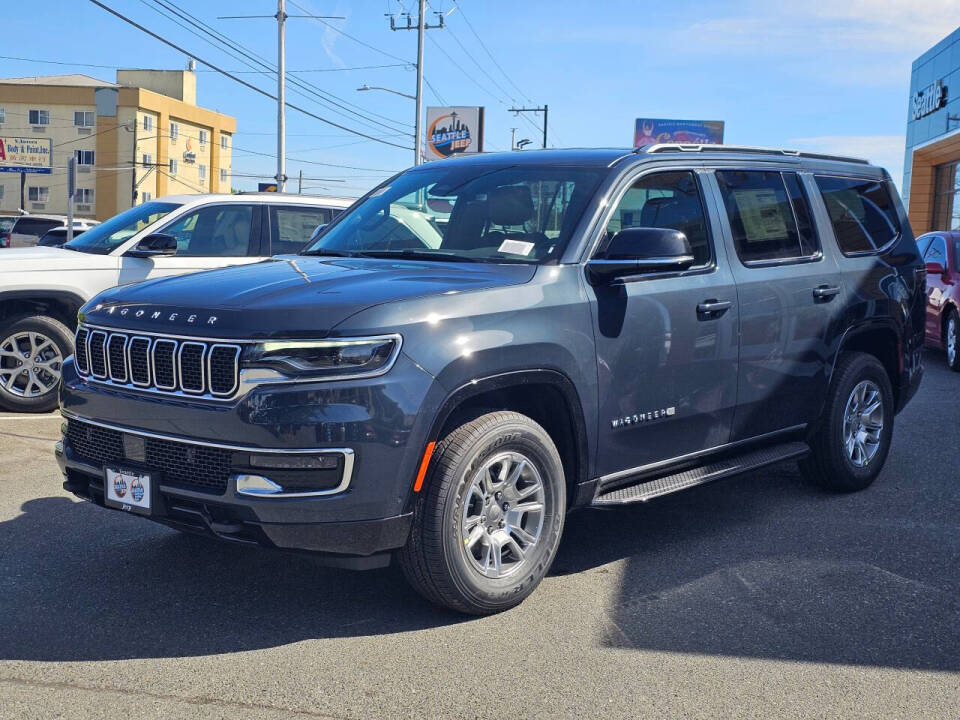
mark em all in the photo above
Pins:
pixel 515 247
pixel 760 214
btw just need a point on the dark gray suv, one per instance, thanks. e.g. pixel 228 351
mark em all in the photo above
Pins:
pixel 482 344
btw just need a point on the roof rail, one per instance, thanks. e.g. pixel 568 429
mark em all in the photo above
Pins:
pixel 694 147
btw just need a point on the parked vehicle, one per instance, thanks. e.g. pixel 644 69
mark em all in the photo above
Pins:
pixel 42 288
pixel 594 328
pixel 26 230
pixel 941 253
pixel 57 237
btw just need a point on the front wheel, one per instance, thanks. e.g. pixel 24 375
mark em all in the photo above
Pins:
pixel 951 339
pixel 487 525
pixel 853 440
pixel 32 351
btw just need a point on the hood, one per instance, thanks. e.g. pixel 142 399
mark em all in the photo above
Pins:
pixel 287 297
pixel 38 258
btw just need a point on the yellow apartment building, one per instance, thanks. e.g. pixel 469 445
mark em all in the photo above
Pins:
pixel 134 140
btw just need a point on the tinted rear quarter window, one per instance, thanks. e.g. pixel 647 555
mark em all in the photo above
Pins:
pixel 862 213
pixel 35 226
pixel 768 213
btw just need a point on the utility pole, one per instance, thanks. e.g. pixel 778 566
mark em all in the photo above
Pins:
pixel 421 27
pixel 281 97
pixel 71 191
pixel 535 110
pixel 300 185
pixel 513 138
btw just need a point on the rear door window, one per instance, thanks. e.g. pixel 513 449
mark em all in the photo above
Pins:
pixel 862 213
pixel 769 215
pixel 292 226
pixel 215 231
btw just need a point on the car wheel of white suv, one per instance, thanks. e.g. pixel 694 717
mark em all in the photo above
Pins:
pixel 32 351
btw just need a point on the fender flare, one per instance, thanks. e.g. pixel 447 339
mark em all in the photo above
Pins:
pixel 64 296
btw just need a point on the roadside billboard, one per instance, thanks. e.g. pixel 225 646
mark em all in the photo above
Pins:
pixel 650 131
pixel 26 155
pixel 453 130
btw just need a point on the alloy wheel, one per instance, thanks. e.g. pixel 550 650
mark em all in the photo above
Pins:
pixel 30 364
pixel 503 514
pixel 863 423
pixel 952 340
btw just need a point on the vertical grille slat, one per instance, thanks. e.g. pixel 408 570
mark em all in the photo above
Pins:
pixel 80 357
pixel 97 345
pixel 165 364
pixel 117 357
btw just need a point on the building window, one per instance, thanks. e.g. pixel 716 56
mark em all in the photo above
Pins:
pixel 202 169
pixel 174 131
pixel 946 198
pixel 148 122
pixel 147 160
pixel 38 117
pixel 84 196
pixel 38 194
pixel 173 166
pixel 84 157
pixel 1 193
pixel 203 137
pixel 223 142
pixel 3 115
pixel 84 118
pixel 223 175
pixel 147 197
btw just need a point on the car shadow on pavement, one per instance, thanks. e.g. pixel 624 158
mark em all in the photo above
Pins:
pixel 81 583
pixel 766 566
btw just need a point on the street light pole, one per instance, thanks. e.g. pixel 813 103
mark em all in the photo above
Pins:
pixel 281 100
pixel 421 28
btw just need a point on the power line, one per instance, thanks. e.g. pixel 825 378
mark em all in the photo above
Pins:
pixel 241 81
pixel 489 54
pixel 237 72
pixel 317 162
pixel 348 36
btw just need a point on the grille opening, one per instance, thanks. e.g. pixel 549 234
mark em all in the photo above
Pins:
pixel 80 354
pixel 116 354
pixel 191 366
pixel 98 360
pixel 139 361
pixel 164 374
pixel 223 369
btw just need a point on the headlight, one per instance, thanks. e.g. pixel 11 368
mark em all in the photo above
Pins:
pixel 325 359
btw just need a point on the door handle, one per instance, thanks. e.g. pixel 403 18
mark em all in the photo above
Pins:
pixel 710 309
pixel 825 292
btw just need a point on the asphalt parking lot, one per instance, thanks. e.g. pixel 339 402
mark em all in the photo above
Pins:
pixel 754 597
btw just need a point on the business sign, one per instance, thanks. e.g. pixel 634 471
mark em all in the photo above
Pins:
pixel 267 187
pixel 26 155
pixel 650 131
pixel 189 156
pixel 929 100
pixel 452 131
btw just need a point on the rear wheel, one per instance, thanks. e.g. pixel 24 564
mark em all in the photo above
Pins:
pixel 951 340
pixel 487 525
pixel 853 440
pixel 32 351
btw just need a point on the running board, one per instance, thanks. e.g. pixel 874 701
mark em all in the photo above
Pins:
pixel 735 465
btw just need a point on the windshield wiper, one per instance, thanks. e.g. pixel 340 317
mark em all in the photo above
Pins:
pixel 326 252
pixel 412 254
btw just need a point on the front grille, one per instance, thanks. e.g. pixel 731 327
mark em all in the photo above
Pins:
pixel 161 364
pixel 192 467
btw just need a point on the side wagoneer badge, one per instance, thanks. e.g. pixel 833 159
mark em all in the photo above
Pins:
pixel 643 417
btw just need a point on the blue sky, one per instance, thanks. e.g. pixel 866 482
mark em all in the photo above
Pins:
pixel 832 76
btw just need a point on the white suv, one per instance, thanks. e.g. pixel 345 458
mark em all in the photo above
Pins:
pixel 41 288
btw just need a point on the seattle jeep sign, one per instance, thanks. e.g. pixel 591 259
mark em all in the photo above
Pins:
pixel 930 99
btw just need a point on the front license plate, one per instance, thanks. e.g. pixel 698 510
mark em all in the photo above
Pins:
pixel 128 490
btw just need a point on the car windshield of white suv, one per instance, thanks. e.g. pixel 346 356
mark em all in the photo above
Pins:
pixel 108 236
pixel 470 213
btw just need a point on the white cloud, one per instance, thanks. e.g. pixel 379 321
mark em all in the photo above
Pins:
pixel 884 150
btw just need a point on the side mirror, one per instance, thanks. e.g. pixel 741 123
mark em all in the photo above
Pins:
pixel 935 268
pixel 154 245
pixel 637 250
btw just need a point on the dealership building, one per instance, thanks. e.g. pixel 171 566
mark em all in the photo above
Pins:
pixel 134 140
pixel 931 168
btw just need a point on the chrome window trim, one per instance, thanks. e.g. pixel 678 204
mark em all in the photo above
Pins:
pixel 236 365
pixel 130 361
pixel 106 370
pixel 347 454
pixel 126 372
pixel 203 375
pixel 173 364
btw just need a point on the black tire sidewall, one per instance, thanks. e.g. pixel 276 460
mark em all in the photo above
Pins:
pixel 499 593
pixel 56 331
pixel 955 365
pixel 846 475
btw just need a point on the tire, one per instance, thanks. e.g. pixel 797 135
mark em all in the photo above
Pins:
pixel 437 559
pixel 859 380
pixel 951 340
pixel 32 386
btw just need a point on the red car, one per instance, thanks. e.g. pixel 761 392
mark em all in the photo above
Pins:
pixel 941 253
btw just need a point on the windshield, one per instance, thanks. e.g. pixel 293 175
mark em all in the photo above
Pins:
pixel 107 236
pixel 473 213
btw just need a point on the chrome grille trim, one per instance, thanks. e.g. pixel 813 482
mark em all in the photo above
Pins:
pixel 205 379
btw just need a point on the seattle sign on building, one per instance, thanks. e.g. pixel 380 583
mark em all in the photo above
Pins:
pixel 930 99
pixel 452 131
